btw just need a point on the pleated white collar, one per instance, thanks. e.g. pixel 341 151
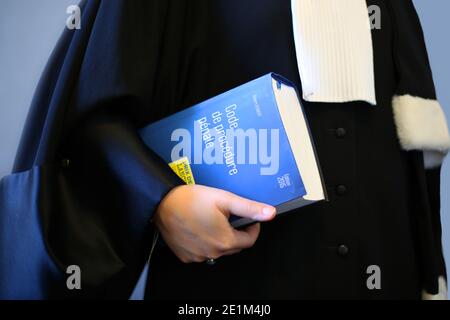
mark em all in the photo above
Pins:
pixel 333 44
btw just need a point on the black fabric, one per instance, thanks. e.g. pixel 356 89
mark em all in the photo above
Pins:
pixel 383 218
pixel 134 62
pixel 410 53
pixel 415 78
pixel 84 186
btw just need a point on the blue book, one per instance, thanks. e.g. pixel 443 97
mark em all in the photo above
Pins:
pixel 253 141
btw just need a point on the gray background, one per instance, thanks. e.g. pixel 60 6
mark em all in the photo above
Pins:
pixel 29 30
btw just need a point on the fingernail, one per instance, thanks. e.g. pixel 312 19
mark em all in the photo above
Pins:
pixel 268 211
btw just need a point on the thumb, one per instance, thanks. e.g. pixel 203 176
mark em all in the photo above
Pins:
pixel 245 208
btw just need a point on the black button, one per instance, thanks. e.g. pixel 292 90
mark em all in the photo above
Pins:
pixel 341 190
pixel 342 250
pixel 341 132
pixel 65 163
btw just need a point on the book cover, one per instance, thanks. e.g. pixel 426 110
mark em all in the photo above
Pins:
pixel 235 141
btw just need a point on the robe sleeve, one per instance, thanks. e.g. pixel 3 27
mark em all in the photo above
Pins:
pixel 422 129
pixel 84 186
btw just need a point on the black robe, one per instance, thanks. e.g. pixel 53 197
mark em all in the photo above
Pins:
pixel 84 187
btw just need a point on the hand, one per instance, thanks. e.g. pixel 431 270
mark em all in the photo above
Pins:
pixel 193 221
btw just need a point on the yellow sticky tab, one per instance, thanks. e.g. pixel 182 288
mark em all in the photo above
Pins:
pixel 183 169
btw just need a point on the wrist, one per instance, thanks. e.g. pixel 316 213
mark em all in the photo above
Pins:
pixel 162 207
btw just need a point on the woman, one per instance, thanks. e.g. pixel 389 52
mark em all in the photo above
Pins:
pixel 379 133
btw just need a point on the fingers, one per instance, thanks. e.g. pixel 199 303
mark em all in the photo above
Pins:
pixel 233 204
pixel 231 252
pixel 195 236
pixel 242 239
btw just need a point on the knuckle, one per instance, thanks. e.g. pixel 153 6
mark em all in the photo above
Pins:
pixel 215 254
pixel 252 208
pixel 188 260
pixel 197 259
pixel 224 245
pixel 234 252
pixel 250 243
pixel 184 260
pixel 247 245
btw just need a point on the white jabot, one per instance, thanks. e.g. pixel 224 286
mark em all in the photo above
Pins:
pixel 333 44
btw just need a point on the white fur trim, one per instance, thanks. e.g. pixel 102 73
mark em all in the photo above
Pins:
pixel 421 125
pixel 441 295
